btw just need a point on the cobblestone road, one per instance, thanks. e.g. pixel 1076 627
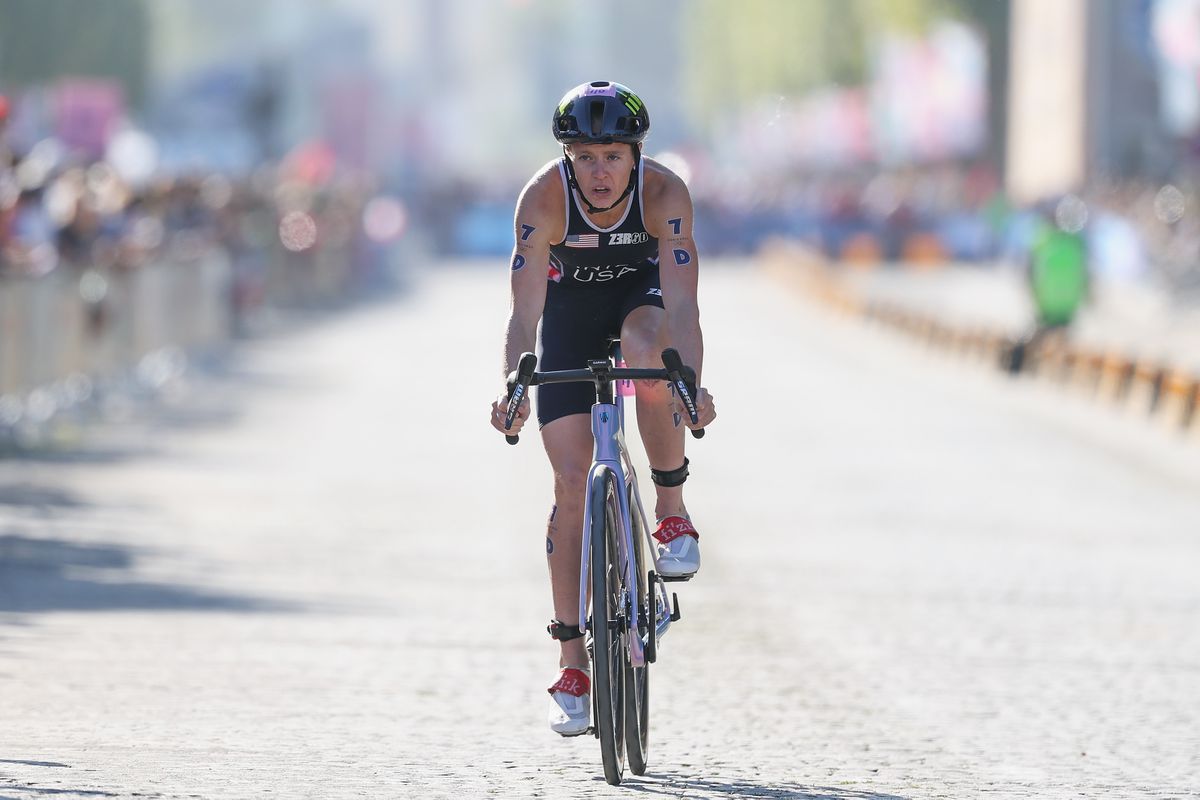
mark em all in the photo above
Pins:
pixel 322 576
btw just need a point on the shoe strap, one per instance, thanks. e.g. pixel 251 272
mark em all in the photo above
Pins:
pixel 671 528
pixel 573 682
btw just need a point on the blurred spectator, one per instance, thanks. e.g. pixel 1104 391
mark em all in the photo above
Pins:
pixel 1058 276
pixel 29 247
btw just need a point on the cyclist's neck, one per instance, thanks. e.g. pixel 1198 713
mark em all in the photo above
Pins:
pixel 608 217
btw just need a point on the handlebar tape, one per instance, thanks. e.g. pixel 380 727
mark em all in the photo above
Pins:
pixel 518 386
pixel 684 379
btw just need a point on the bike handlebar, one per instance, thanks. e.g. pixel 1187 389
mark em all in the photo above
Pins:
pixel 684 385
pixel 518 385
pixel 680 376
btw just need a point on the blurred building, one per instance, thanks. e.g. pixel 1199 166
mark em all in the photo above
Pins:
pixel 237 84
pixel 1086 94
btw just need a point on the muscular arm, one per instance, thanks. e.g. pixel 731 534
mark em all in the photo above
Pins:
pixel 669 219
pixel 534 226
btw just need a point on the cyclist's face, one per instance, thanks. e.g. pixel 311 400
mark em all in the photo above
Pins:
pixel 602 170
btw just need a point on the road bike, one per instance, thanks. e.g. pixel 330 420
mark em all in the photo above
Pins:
pixel 624 608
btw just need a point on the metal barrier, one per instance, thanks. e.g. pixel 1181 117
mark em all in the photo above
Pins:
pixel 95 324
pixel 64 334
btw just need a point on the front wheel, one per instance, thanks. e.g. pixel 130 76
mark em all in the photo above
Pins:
pixel 609 658
pixel 637 679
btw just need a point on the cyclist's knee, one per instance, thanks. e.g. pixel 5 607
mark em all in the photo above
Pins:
pixel 569 484
pixel 641 337
pixel 640 349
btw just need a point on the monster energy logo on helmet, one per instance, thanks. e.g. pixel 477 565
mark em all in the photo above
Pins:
pixel 601 111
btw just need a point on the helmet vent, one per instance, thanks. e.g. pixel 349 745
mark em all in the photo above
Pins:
pixel 596 112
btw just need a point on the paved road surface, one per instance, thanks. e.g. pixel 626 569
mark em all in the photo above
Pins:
pixel 322 576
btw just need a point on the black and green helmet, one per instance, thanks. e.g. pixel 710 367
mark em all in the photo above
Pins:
pixel 600 112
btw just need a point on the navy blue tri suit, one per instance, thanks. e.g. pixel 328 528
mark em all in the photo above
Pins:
pixel 597 277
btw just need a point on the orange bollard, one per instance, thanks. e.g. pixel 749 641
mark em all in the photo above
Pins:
pixel 1144 387
pixel 1115 375
pixel 1176 399
pixel 862 250
pixel 923 251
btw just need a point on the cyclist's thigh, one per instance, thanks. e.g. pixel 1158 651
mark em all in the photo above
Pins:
pixel 643 328
pixel 576 326
pixel 568 443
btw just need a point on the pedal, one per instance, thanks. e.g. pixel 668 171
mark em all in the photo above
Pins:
pixel 675 614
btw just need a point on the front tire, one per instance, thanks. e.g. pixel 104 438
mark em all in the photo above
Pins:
pixel 637 679
pixel 609 658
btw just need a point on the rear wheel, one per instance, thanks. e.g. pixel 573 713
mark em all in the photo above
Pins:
pixel 609 658
pixel 637 679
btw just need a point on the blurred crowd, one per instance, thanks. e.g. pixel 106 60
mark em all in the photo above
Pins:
pixel 63 213
pixel 1135 229
pixel 60 212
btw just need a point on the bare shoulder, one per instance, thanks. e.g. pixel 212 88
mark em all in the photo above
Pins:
pixel 543 194
pixel 666 202
pixel 661 186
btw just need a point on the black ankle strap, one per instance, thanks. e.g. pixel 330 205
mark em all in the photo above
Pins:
pixel 672 477
pixel 561 632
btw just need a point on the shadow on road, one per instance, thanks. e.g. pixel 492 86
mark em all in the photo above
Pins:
pixel 25 789
pixel 25 495
pixel 38 575
pixel 673 785
pixel 38 791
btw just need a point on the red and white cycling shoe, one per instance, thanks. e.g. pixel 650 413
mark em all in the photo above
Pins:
pixel 678 548
pixel 571 703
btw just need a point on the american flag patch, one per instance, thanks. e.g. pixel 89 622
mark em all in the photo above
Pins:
pixel 583 240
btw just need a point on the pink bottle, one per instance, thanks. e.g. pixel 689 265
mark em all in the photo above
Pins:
pixel 624 388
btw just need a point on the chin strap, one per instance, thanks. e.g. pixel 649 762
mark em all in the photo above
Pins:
pixel 574 184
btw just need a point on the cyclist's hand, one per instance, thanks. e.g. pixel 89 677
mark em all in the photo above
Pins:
pixel 706 410
pixel 500 412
